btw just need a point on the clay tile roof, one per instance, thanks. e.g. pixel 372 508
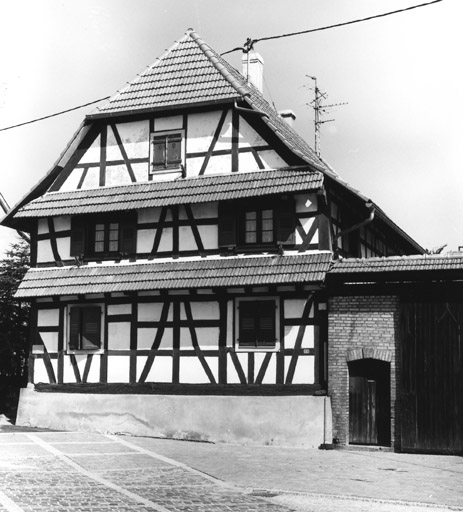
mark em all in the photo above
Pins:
pixel 186 73
pixel 398 265
pixel 203 273
pixel 168 193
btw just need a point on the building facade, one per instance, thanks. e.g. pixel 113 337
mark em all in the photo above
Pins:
pixel 180 248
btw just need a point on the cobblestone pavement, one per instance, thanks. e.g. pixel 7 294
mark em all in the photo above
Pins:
pixel 81 472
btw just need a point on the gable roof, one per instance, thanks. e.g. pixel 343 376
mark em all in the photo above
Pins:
pixel 191 72
pixel 201 189
pixel 176 275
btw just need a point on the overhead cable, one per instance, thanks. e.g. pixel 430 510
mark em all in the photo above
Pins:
pixel 53 115
pixel 248 45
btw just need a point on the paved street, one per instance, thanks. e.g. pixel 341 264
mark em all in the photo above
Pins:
pixel 57 471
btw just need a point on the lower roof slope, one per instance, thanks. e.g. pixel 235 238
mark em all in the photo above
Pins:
pixel 176 275
pixel 168 193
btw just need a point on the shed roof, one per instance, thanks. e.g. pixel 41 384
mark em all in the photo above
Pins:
pixel 388 268
pixel 168 193
pixel 176 275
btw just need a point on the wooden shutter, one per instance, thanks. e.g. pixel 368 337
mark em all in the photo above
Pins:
pixel 77 236
pixel 174 149
pixel 285 223
pixel 247 324
pixel 158 148
pixel 128 236
pixel 91 327
pixel 74 329
pixel 257 323
pixel 266 335
pixel 227 224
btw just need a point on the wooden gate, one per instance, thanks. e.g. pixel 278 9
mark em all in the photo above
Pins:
pixel 369 402
pixel 432 376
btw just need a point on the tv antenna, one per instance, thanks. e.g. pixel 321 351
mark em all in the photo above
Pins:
pixel 320 110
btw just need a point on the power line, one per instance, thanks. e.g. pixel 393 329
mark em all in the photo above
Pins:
pixel 53 115
pixel 248 45
pixel 246 48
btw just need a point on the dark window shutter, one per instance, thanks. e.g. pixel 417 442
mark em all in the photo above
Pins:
pixel 174 149
pixel 285 222
pixel 77 236
pixel 227 225
pixel 257 323
pixel 159 151
pixel 74 329
pixel 247 324
pixel 91 327
pixel 266 323
pixel 128 237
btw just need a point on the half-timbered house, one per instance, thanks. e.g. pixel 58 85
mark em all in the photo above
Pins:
pixel 179 250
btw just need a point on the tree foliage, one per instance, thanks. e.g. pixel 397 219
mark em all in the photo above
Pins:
pixel 14 321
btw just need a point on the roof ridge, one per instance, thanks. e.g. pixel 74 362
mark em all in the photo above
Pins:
pixel 132 82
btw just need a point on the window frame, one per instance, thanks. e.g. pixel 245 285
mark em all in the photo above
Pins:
pixel 68 326
pixel 83 236
pixel 177 164
pixel 232 223
pixel 276 325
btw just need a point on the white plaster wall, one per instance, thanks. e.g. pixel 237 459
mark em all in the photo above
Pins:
pixel 135 137
pixel 48 317
pixel 293 421
pixel 44 252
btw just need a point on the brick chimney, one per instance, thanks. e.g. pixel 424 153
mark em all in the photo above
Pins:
pixel 253 68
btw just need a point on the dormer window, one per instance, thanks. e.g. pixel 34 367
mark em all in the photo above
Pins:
pixel 166 151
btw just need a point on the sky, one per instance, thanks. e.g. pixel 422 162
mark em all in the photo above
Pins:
pixel 397 140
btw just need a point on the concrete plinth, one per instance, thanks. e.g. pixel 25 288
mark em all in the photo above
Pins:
pixel 302 421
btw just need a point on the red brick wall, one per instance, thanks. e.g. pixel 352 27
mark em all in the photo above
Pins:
pixel 359 327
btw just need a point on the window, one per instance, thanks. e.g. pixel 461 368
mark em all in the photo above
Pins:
pixel 257 323
pixel 257 223
pixel 85 327
pixel 166 151
pixel 101 236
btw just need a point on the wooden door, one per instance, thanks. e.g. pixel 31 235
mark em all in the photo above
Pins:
pixel 369 409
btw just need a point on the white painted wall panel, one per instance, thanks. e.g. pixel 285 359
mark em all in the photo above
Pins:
pixel 168 123
pixel 161 371
pixel 205 210
pixel 92 180
pixel 135 138
pixel 219 164
pixel 248 136
pixel 149 215
pixel 209 236
pixel 50 340
pixel 117 175
pixel 119 336
pixel 204 310
pixel 145 338
pixel 186 239
pixel 92 154
pixel 151 312
pixel 40 372
pixel 141 171
pixel 145 239
pixel 192 372
pixel 271 159
pixel 208 337
pixel 48 317
pixel 118 368
pixel 62 223
pixel 305 370
pixel 165 243
pixel 247 162
pixel 44 252
pixel 201 129
pixel 193 166
pixel 64 248
pixel 42 227
pixel 119 309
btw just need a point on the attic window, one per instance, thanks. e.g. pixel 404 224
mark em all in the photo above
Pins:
pixel 166 151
